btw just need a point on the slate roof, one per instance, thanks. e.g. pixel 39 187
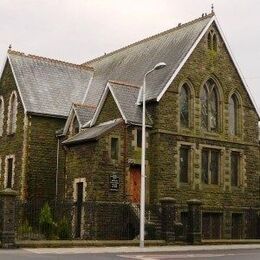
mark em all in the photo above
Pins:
pixel 126 96
pixel 93 133
pixel 130 63
pixel 47 86
pixel 84 113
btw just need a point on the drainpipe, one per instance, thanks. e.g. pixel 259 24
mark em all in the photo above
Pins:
pixel 57 169
pixel 125 157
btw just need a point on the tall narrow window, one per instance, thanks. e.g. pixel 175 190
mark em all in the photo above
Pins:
pixel 235 162
pixel 9 172
pixel 184 163
pixel 139 138
pixel 184 106
pixel 12 113
pixel 210 161
pixel 212 41
pixel 233 115
pixel 2 107
pixel 209 107
pixel 114 148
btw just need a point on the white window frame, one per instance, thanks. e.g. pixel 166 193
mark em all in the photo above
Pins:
pixel 12 129
pixel 2 115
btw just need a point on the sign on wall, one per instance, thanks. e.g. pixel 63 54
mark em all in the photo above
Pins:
pixel 114 182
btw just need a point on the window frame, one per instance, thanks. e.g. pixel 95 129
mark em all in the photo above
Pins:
pixel 187 148
pixel 206 98
pixel 6 176
pixel 12 114
pixel 2 115
pixel 238 115
pixel 117 150
pixel 209 151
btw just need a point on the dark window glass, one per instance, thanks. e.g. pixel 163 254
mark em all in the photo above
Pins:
pixel 234 168
pixel 184 163
pixel 215 42
pixel 184 106
pixel 209 106
pixel 214 166
pixel 209 41
pixel 139 138
pixel 9 172
pixel 233 114
pixel 114 148
pixel 210 166
pixel 75 126
pixel 204 166
pixel 204 109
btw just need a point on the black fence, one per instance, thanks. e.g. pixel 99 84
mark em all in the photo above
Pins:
pixel 39 220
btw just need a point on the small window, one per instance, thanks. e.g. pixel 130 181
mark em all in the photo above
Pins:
pixel 75 126
pixel 233 115
pixel 12 114
pixel 114 148
pixel 9 172
pixel 212 41
pixel 139 138
pixel 235 165
pixel 210 161
pixel 184 164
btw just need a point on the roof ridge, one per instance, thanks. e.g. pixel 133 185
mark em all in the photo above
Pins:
pixel 83 105
pixel 124 84
pixel 81 66
pixel 179 26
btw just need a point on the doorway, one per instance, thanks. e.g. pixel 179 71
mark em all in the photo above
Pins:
pixel 135 183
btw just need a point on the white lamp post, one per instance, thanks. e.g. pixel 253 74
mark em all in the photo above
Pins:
pixel 142 197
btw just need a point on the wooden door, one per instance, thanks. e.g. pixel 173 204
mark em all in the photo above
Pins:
pixel 135 183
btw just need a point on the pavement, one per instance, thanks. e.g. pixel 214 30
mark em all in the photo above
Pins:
pixel 220 252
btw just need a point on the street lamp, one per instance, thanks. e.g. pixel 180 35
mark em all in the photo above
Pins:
pixel 158 66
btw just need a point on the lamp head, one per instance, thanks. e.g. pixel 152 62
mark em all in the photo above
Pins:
pixel 159 66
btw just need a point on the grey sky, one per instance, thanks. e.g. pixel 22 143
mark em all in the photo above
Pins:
pixel 78 30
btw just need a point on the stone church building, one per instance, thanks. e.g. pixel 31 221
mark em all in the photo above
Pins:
pixel 74 132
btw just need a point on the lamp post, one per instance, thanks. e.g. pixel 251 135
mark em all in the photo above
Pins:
pixel 142 197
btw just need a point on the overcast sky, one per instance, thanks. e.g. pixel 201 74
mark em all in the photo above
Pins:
pixel 78 30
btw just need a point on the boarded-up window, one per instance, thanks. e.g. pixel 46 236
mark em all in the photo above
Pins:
pixel 184 163
pixel 114 148
pixel 235 162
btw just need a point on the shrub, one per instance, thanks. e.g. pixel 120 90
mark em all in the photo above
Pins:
pixel 64 230
pixel 46 222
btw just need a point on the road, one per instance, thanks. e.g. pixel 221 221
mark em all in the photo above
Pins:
pixel 97 254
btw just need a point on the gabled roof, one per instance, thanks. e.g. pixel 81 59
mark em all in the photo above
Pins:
pixel 83 113
pixel 125 96
pixel 129 64
pixel 93 133
pixel 46 86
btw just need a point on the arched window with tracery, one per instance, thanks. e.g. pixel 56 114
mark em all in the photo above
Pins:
pixel 2 107
pixel 185 106
pixel 210 106
pixel 233 115
pixel 12 114
pixel 212 40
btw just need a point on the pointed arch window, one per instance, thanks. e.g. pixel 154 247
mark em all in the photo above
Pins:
pixel 212 40
pixel 233 115
pixel 210 107
pixel 2 107
pixel 185 106
pixel 12 114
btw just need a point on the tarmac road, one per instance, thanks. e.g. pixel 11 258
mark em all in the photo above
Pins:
pixel 227 253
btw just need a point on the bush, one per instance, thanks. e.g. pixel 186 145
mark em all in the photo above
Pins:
pixel 64 231
pixel 46 222
pixel 25 229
